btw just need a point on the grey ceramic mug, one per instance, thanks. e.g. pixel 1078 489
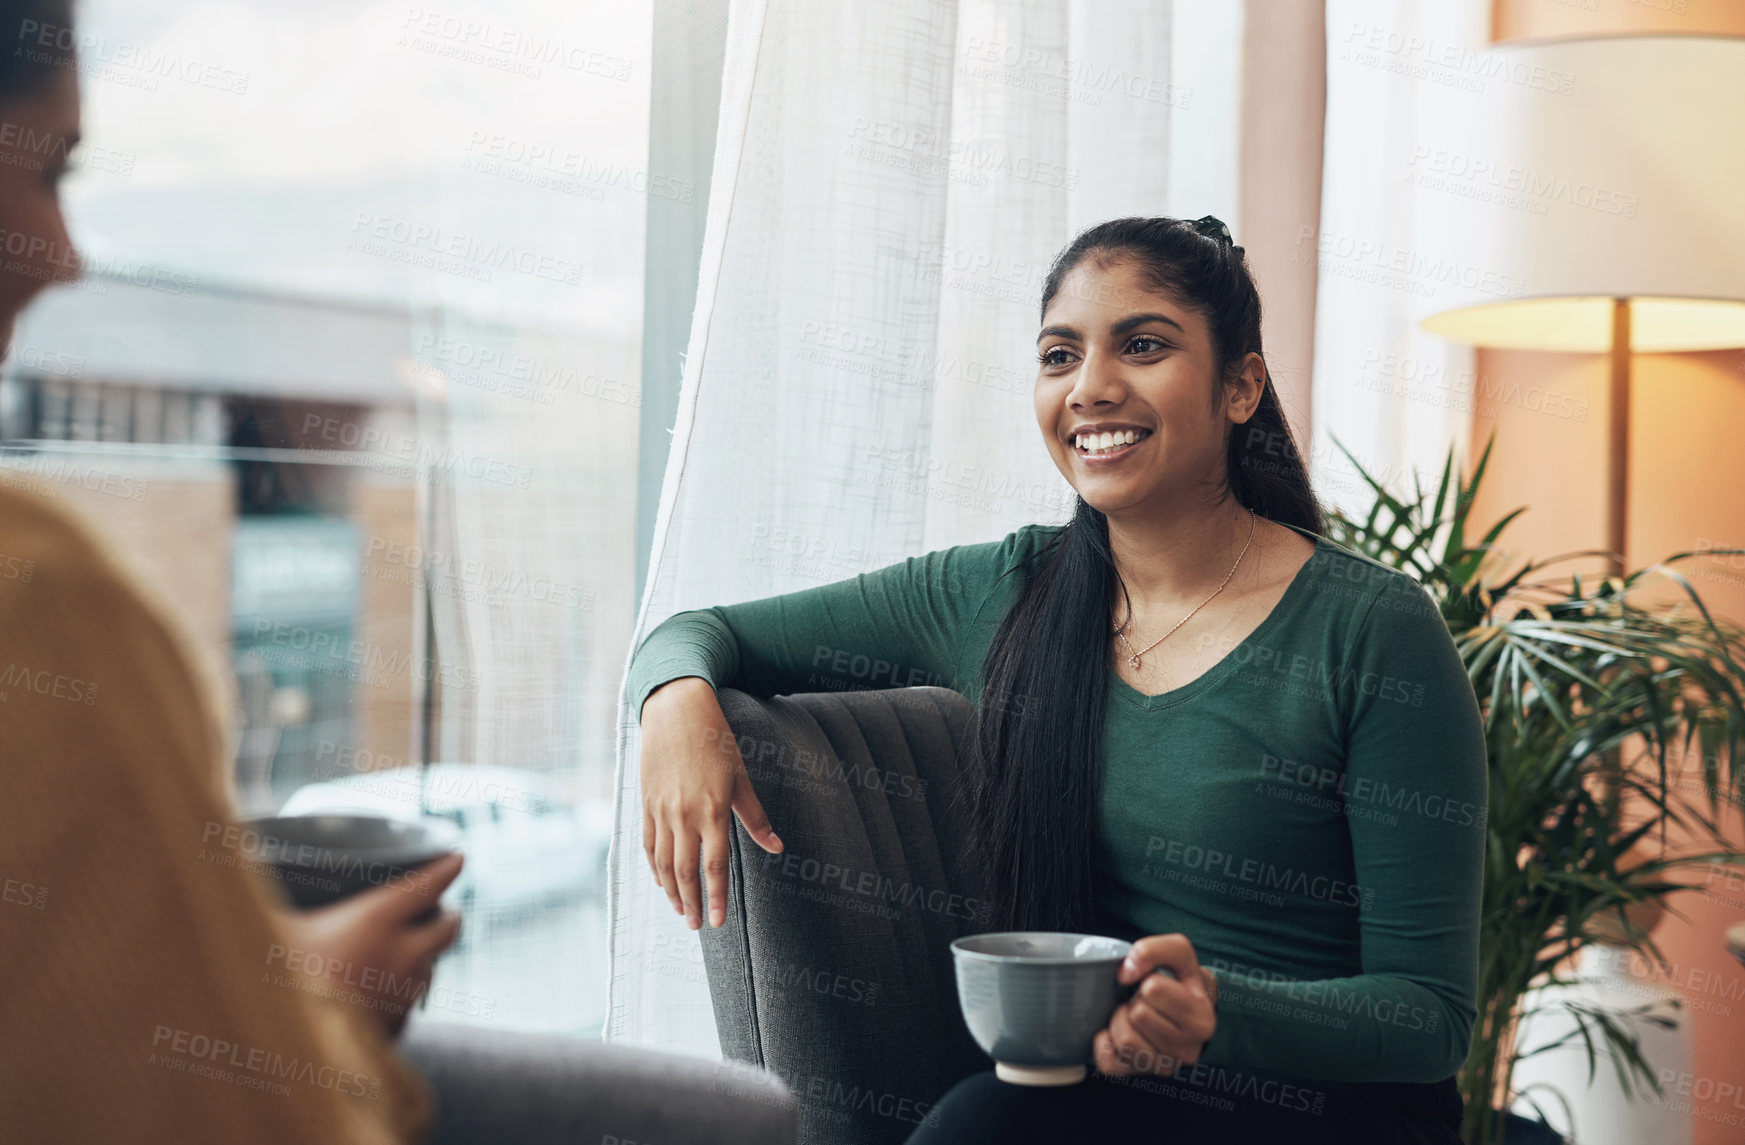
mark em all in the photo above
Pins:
pixel 1035 1000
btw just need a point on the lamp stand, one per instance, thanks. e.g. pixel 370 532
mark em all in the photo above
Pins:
pixel 1618 435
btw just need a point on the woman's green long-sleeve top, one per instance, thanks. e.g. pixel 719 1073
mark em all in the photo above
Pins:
pixel 1309 812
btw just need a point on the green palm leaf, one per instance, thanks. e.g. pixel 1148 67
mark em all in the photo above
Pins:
pixel 1582 682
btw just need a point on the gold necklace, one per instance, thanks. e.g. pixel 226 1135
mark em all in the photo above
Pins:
pixel 1134 660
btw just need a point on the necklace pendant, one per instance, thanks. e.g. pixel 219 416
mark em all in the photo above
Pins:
pixel 1133 662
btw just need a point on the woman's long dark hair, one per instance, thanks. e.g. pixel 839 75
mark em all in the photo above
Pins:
pixel 1034 765
pixel 37 35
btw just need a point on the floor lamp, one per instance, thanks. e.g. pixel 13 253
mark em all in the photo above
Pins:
pixel 1615 212
pixel 1600 211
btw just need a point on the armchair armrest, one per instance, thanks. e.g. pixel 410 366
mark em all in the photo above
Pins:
pixel 833 970
pixel 495 1087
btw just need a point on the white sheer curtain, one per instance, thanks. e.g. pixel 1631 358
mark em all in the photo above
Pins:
pixel 1406 82
pixel 891 179
pixel 524 363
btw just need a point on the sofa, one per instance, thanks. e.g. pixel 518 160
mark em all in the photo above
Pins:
pixel 496 1087
pixel 833 969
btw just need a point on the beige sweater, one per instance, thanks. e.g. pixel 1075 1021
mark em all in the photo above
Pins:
pixel 143 993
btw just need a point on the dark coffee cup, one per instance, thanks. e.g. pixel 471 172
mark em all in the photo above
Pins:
pixel 320 859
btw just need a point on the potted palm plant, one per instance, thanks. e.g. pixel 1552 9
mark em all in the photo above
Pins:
pixel 1592 697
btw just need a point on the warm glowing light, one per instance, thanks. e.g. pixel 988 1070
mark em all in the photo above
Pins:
pixel 1584 325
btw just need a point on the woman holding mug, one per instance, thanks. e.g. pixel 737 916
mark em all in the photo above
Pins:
pixel 155 989
pixel 1200 725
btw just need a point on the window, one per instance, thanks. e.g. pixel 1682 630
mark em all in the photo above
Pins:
pixel 353 381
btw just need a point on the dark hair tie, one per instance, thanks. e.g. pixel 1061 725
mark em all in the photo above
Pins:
pixel 1215 228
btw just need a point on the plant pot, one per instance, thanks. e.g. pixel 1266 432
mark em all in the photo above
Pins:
pixel 1621 983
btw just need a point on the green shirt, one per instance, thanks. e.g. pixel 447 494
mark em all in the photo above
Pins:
pixel 1309 812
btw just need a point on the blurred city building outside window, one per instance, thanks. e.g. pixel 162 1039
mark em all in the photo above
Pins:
pixel 352 380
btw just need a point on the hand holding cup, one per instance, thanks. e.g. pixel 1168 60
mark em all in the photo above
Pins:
pixel 1171 1015
pixel 378 948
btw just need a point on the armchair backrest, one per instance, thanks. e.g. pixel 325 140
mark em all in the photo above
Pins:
pixel 833 969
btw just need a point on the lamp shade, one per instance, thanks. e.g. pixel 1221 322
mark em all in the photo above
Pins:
pixel 1598 169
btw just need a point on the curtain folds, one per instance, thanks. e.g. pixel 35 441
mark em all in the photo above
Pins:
pixel 1406 85
pixel 891 180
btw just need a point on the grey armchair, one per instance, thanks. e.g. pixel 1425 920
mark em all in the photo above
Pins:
pixel 833 969
pixel 494 1087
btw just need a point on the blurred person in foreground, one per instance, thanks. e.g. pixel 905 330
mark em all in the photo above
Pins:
pixel 156 988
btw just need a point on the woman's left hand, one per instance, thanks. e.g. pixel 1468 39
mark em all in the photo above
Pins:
pixel 1168 1021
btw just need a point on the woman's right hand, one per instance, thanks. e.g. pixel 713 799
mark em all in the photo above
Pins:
pixel 377 945
pixel 693 777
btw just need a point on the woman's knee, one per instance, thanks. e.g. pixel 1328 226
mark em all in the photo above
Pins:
pixel 983 1109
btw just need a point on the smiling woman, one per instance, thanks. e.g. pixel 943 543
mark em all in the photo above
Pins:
pixel 1152 328
pixel 1138 674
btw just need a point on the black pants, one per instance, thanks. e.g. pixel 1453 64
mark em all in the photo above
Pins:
pixel 1210 1105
